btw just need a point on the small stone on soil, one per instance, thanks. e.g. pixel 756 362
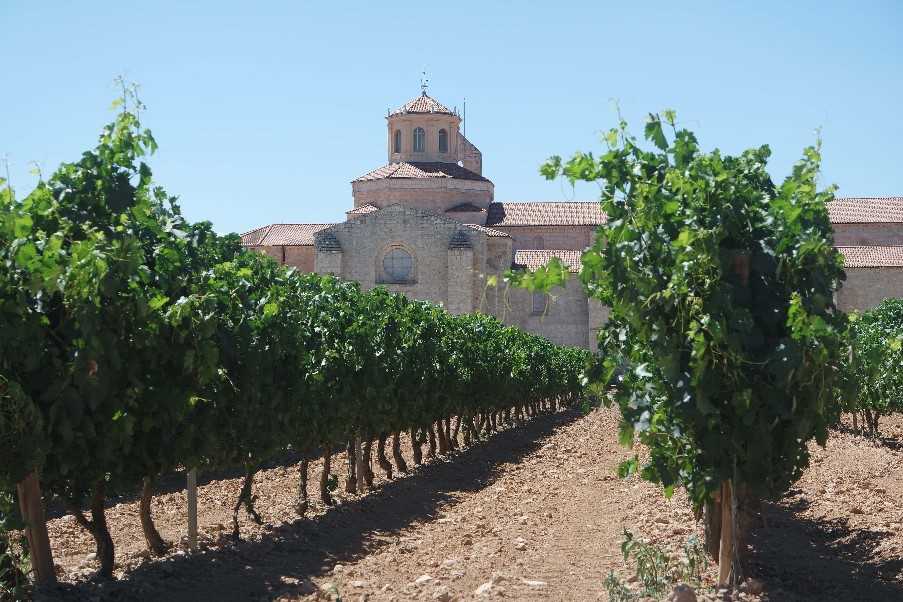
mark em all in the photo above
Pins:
pixel 422 579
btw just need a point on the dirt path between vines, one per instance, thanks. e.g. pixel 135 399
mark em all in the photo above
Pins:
pixel 536 512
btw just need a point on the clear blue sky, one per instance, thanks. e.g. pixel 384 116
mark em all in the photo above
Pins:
pixel 265 111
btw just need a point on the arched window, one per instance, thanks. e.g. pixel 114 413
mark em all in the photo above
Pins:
pixel 419 140
pixel 443 141
pixel 396 142
pixel 398 266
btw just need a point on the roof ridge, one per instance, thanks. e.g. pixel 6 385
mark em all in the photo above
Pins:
pixel 488 230
pixel 423 104
pixel 420 169
pixel 542 202
pixel 877 198
pixel 395 169
pixel 265 234
pixel 254 230
pixel 301 224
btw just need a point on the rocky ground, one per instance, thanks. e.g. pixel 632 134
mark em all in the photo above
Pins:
pixel 535 513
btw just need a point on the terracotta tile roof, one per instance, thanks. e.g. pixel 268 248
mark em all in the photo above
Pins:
pixel 491 232
pixel 866 210
pixel 420 170
pixel 872 257
pixel 465 208
pixel 282 234
pixel 423 104
pixel 534 258
pixel 363 209
pixel 546 213
pixel 253 237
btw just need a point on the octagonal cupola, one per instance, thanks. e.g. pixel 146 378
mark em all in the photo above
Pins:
pixel 423 130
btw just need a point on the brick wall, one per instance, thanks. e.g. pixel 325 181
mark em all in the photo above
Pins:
pixel 431 124
pixel 852 235
pixel 867 287
pixel 430 194
pixel 301 257
pixel 549 237
pixel 565 321
pixel 298 256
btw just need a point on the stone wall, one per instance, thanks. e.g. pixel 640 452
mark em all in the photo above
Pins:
pixel 565 321
pixel 365 240
pixel 461 268
pixel 867 287
pixel 598 316
pixel 468 217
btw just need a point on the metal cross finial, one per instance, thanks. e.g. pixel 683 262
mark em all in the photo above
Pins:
pixel 424 83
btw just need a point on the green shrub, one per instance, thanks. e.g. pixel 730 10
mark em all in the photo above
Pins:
pixel 876 366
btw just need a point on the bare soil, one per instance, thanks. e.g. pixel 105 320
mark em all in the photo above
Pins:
pixel 536 512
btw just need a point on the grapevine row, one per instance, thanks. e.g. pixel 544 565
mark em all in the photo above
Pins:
pixel 136 343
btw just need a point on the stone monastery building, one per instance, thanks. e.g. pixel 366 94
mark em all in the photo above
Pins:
pixel 427 224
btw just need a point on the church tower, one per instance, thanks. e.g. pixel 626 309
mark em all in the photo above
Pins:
pixel 431 165
pixel 424 129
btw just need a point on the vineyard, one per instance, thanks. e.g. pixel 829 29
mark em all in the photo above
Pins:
pixel 138 346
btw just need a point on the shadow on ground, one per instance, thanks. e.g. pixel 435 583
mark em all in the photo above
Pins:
pixel 295 551
pixel 802 559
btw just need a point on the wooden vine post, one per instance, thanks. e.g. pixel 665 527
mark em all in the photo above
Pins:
pixel 192 499
pixel 359 465
pixel 727 551
pixel 31 506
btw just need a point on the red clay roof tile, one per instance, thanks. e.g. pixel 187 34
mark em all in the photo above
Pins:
pixel 423 104
pixel 546 213
pixel 420 170
pixel 253 237
pixel 872 257
pixel 282 234
pixel 534 258
pixel 491 232
pixel 866 210
pixel 363 209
